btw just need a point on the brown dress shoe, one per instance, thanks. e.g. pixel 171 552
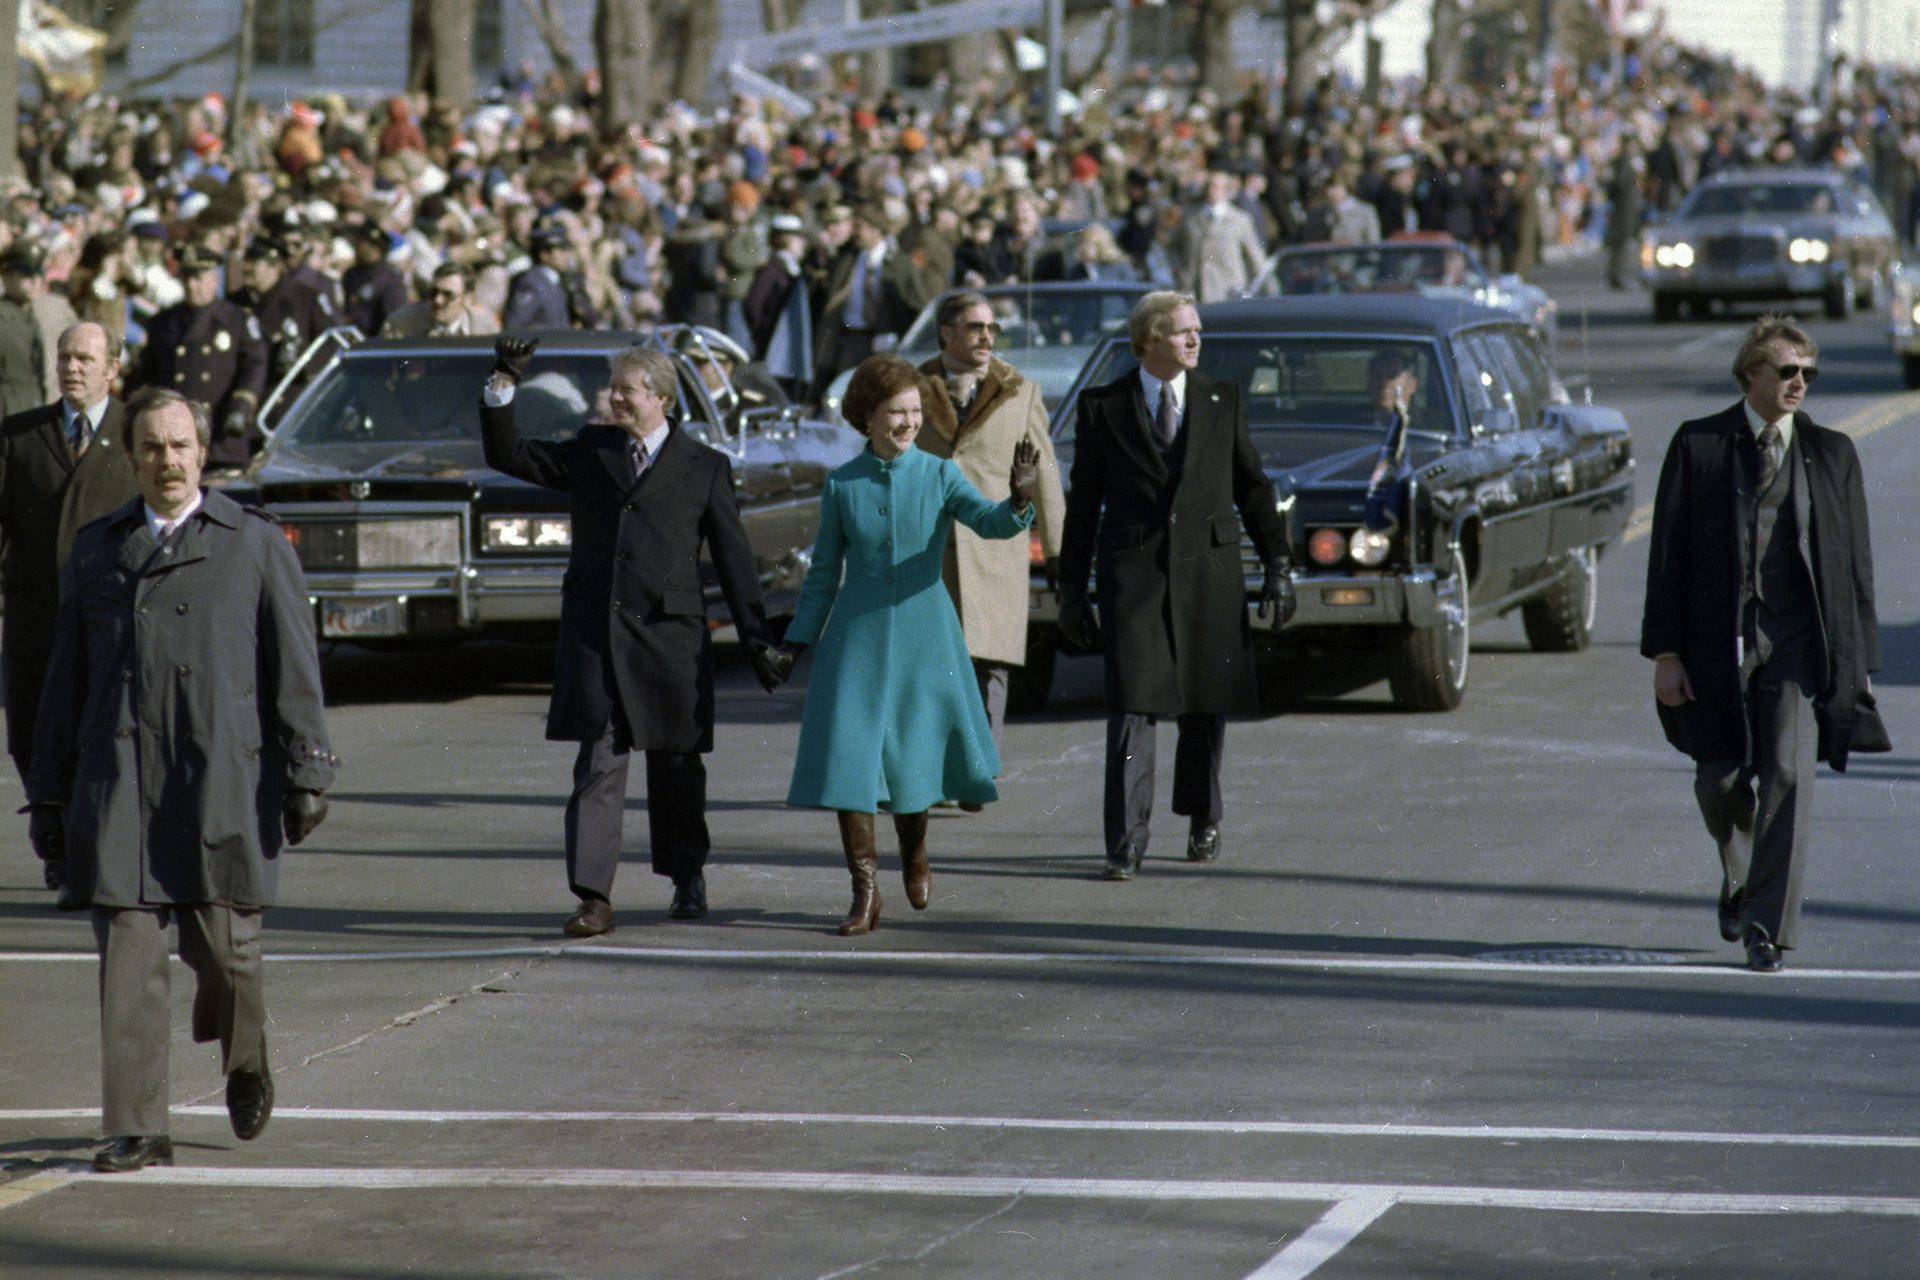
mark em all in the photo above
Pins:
pixel 594 917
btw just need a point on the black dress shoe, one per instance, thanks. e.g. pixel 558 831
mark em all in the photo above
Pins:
pixel 1124 861
pixel 1730 915
pixel 594 917
pixel 689 898
pixel 249 1102
pixel 1203 845
pixel 1762 955
pixel 128 1155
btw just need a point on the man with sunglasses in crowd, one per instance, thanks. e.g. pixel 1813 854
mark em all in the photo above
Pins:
pixel 980 408
pixel 448 312
pixel 1760 623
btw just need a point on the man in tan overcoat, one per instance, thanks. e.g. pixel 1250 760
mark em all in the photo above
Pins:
pixel 978 410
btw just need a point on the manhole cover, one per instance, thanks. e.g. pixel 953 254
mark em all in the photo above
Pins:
pixel 1579 955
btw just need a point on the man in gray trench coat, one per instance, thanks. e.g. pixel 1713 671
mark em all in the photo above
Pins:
pixel 180 737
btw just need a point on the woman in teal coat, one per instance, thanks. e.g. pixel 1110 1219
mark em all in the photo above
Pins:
pixel 893 716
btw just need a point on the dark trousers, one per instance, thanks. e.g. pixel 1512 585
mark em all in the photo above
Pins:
pixel 222 947
pixel 676 814
pixel 1758 814
pixel 841 349
pixel 1129 790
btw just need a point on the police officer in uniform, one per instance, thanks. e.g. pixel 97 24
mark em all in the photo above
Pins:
pixel 298 238
pixel 22 348
pixel 291 314
pixel 548 294
pixel 211 350
pixel 374 286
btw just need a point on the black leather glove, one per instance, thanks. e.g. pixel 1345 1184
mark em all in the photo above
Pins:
pixel 1050 570
pixel 1024 479
pixel 47 830
pixel 772 664
pixel 234 425
pixel 1078 625
pixel 1276 594
pixel 510 356
pixel 300 813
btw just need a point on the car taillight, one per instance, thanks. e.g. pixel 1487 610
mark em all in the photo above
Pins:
pixel 1036 555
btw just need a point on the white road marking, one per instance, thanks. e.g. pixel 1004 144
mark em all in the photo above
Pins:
pixel 27 1188
pixel 1726 969
pixel 362 1178
pixel 1341 1225
pixel 1078 1124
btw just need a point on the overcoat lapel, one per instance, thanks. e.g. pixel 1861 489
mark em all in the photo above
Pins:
pixel 1131 429
pixel 54 440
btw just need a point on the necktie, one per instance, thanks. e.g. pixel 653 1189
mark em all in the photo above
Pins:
pixel 637 451
pixel 1167 421
pixel 78 429
pixel 1769 455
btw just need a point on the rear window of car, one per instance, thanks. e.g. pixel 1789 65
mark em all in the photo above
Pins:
pixel 382 399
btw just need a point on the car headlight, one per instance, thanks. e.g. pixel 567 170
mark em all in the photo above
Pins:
pixel 1368 546
pixel 1674 255
pixel 1327 546
pixel 526 533
pixel 1807 249
pixel 1916 313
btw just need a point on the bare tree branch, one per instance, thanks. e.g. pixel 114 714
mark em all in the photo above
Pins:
pixel 546 21
pixel 219 50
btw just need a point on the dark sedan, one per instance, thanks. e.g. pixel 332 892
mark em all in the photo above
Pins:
pixel 1492 492
pixel 377 476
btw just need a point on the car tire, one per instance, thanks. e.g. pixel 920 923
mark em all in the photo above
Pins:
pixel 1560 619
pixel 1839 297
pixel 1910 367
pixel 1029 687
pixel 1427 670
pixel 1666 308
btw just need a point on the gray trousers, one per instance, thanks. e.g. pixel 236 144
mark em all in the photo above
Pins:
pixel 993 692
pixel 1758 814
pixel 1130 767
pixel 222 947
pixel 676 814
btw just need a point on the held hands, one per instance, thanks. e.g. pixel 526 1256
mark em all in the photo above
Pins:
pixel 772 665
pixel 1024 479
pixel 300 813
pixel 510 356
pixel 47 831
pixel 1671 688
pixel 1276 594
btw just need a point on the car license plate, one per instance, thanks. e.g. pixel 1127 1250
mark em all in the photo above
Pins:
pixel 351 619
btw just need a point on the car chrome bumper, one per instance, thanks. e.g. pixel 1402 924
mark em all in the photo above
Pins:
pixel 480 594
pixel 1766 280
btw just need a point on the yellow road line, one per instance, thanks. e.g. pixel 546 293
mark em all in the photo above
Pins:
pixel 27 1188
pixel 1875 417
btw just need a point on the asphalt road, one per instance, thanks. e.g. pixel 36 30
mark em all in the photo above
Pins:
pixel 1452 1004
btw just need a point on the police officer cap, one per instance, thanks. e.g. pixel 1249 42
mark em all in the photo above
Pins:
pixel 196 257
pixel 261 249
pixel 545 238
pixel 375 234
pixel 23 260
pixel 699 340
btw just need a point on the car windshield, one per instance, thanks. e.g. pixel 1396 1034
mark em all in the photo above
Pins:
pixel 1037 318
pixel 1368 269
pixel 1308 383
pixel 382 399
pixel 1759 199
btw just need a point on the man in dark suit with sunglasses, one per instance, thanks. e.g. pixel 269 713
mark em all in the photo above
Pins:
pixel 1760 623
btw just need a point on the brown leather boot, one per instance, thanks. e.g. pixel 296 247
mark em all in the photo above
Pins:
pixel 856 838
pixel 912 830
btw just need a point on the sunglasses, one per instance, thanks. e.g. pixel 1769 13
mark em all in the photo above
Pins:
pixel 992 329
pixel 1788 372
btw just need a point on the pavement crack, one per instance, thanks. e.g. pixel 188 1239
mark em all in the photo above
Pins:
pixel 415 1015
pixel 932 1246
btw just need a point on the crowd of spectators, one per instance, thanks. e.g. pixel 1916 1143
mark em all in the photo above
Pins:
pixel 813 240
